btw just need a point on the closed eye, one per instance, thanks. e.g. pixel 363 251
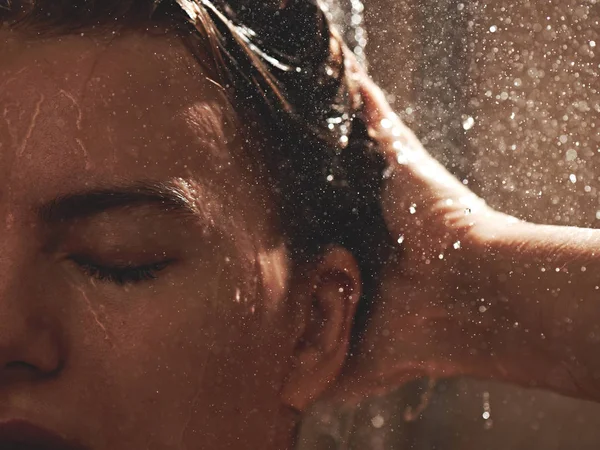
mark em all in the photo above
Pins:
pixel 120 274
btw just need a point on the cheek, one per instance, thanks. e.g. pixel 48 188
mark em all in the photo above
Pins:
pixel 184 359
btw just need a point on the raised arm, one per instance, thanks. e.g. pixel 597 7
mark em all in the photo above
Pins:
pixel 473 291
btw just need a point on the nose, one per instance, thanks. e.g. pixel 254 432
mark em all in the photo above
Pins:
pixel 29 340
pixel 28 350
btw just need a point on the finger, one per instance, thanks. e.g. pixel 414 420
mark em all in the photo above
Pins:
pixel 377 107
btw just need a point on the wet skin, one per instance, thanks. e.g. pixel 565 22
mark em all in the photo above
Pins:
pixel 147 299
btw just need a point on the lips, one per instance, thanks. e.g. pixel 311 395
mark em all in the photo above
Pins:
pixel 23 435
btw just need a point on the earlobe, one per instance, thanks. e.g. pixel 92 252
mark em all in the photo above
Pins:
pixel 334 285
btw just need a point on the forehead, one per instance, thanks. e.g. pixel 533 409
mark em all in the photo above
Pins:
pixel 86 109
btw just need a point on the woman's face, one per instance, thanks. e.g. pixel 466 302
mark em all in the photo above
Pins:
pixel 143 281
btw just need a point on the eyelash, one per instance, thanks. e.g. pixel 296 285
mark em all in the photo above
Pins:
pixel 121 275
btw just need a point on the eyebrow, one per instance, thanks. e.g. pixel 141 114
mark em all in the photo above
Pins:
pixel 165 195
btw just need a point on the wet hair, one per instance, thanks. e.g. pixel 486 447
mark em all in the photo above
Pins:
pixel 282 63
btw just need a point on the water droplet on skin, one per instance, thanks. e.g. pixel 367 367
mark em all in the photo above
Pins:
pixel 386 123
pixel 397 145
pixel 467 211
pixel 401 158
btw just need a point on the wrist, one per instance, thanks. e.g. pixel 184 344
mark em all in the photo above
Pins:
pixel 508 348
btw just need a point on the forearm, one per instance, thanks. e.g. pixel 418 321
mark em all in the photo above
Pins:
pixel 542 287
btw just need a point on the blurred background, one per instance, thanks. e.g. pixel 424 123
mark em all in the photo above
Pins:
pixel 506 95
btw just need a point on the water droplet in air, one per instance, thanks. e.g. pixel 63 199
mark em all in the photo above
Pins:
pixel 573 178
pixel 487 411
pixel 413 208
pixel 456 245
pixel 592 44
pixel 400 239
pixel 468 123
pixel 493 29
pixel 377 421
pixel 571 155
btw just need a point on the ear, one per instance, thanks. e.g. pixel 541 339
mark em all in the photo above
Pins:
pixel 333 286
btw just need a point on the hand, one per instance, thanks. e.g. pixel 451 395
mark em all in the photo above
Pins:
pixel 428 320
